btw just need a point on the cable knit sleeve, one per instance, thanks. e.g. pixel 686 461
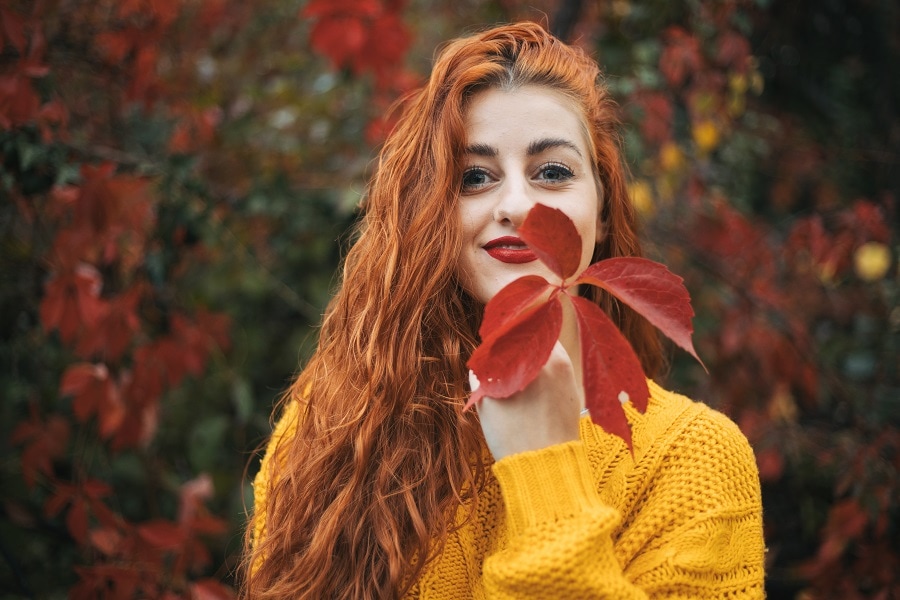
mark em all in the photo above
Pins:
pixel 687 521
pixel 560 533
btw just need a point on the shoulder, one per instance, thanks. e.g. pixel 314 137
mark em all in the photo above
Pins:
pixel 679 439
pixel 672 419
pixel 677 442
pixel 285 428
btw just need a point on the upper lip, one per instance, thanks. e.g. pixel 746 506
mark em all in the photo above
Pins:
pixel 507 240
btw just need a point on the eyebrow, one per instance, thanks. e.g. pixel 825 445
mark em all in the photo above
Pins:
pixel 482 150
pixel 534 148
pixel 538 146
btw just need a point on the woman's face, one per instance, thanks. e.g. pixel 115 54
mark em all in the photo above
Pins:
pixel 523 147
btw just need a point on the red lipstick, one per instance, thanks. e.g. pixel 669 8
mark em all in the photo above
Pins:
pixel 510 249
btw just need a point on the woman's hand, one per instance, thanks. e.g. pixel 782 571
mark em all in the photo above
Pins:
pixel 543 414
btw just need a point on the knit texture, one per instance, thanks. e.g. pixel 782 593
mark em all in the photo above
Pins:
pixel 681 518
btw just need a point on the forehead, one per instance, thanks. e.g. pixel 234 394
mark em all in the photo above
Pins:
pixel 495 116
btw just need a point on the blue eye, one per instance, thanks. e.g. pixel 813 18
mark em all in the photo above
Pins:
pixel 555 172
pixel 475 178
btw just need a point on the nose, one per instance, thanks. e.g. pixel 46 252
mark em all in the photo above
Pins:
pixel 514 200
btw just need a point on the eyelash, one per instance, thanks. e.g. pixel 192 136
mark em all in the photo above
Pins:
pixel 565 173
pixel 473 171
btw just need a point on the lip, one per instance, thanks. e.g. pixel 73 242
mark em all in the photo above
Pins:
pixel 510 249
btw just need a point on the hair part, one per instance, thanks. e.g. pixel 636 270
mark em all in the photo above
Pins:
pixel 365 492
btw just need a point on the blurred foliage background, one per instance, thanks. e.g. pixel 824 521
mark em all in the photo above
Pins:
pixel 178 179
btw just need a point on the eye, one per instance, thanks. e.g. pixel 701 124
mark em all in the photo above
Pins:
pixel 555 173
pixel 474 179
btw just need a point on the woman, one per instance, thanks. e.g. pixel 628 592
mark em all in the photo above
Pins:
pixel 377 485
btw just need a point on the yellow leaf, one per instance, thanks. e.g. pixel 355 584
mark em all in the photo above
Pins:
pixel 671 157
pixel 872 261
pixel 738 83
pixel 706 136
pixel 641 196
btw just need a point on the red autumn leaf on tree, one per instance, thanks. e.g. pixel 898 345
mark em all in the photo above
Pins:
pixel 733 50
pixel 44 442
pixel 81 499
pixel 11 30
pixel 116 45
pixel 19 101
pixel 115 330
pixel 162 534
pixel 656 118
pixel 680 57
pixel 106 581
pixel 161 12
pixel 94 391
pixel 98 206
pixel 210 589
pixel 193 514
pixel 107 540
pixel 191 345
pixel 32 65
pixel 362 35
pixel 523 320
pixel 72 301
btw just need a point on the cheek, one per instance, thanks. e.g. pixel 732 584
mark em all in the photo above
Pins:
pixel 465 224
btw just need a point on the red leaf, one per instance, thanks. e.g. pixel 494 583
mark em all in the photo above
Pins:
pixel 386 43
pixel 19 102
pixel 106 539
pixel 770 463
pixel 112 335
pixel 339 38
pixel 507 362
pixel 510 302
pixel 553 237
pixel 77 521
pixel 149 377
pixel 193 494
pixel 115 45
pixel 94 392
pixel 210 589
pixel 77 377
pixel 162 534
pixel 612 371
pixel 680 57
pixel 71 301
pixel 656 120
pixel 733 50
pixel 11 30
pixel 652 290
pixel 43 443
pixel 520 327
pixel 326 8
pixel 95 489
pixel 191 343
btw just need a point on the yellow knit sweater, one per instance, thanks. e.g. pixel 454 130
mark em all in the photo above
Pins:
pixel 681 519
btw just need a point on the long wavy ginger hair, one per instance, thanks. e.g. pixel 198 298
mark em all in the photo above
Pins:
pixel 365 492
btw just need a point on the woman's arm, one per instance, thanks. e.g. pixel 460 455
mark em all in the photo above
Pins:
pixel 268 471
pixel 701 510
